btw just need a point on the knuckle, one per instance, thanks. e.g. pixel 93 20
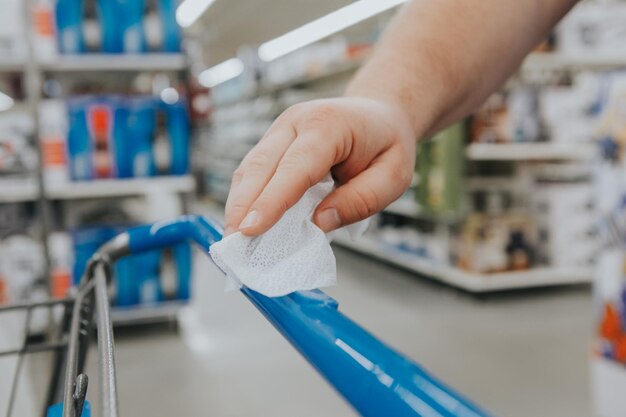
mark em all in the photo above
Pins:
pixel 319 116
pixel 255 162
pixel 365 203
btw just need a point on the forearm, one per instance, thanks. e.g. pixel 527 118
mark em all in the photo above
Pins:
pixel 439 59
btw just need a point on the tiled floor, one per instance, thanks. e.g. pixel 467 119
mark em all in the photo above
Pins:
pixel 518 355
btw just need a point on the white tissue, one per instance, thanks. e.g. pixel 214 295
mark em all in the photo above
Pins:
pixel 294 255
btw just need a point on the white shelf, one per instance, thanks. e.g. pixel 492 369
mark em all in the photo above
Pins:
pixel 144 314
pixel 117 62
pixel 120 187
pixel 12 65
pixel 568 61
pixel 407 207
pixel 537 151
pixel 17 190
pixel 468 281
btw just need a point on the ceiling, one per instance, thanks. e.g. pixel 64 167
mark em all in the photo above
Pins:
pixel 229 24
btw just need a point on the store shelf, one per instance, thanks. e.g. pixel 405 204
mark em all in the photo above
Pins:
pixel 559 61
pixel 154 313
pixel 17 190
pixel 121 187
pixel 530 151
pixel 12 65
pixel 117 62
pixel 468 281
pixel 406 207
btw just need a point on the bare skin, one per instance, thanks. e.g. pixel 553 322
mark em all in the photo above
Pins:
pixel 437 61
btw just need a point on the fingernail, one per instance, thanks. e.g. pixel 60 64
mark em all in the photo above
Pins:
pixel 329 219
pixel 250 220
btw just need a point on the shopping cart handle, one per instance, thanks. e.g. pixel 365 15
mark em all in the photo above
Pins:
pixel 376 380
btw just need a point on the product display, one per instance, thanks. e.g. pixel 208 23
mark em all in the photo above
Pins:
pixel 138 278
pixel 119 137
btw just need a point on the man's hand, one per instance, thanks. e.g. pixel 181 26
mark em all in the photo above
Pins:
pixel 368 145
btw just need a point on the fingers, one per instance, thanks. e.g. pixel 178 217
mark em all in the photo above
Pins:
pixel 305 163
pixel 366 194
pixel 254 172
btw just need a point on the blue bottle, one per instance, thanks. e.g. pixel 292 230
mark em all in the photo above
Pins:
pixel 171 30
pixel 69 19
pixel 178 131
pixel 140 129
pixel 183 261
pixel 122 26
pixel 78 144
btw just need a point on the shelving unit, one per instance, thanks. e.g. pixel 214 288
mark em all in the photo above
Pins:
pixel 559 61
pixel 117 62
pixel 531 151
pixel 468 281
pixel 121 187
pixel 18 190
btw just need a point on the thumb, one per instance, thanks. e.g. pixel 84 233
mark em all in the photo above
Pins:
pixel 364 195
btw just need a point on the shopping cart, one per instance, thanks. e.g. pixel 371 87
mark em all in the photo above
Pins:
pixel 373 378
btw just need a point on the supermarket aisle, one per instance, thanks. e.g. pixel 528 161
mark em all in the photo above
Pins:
pixel 517 356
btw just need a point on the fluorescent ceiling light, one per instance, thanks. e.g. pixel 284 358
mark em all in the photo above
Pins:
pixel 220 73
pixel 324 26
pixel 190 10
pixel 6 102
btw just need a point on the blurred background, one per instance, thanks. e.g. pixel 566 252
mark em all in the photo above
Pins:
pixel 501 269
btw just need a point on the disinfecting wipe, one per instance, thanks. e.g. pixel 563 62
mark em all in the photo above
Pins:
pixel 294 255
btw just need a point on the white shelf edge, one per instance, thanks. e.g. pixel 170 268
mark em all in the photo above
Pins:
pixel 120 187
pixel 12 65
pixel 144 314
pixel 568 61
pixel 468 281
pixel 117 62
pixel 530 151
pixel 18 190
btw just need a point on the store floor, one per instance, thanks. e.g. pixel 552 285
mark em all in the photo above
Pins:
pixel 518 354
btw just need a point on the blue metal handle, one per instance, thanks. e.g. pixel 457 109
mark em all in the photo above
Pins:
pixel 371 376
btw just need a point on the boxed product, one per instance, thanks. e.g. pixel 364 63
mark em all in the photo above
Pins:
pixel 119 26
pixel 53 131
pixel 12 34
pixel 439 168
pixel 116 137
pixel 137 278
pixel 495 243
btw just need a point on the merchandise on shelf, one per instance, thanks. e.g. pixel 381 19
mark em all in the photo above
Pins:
pixel 507 117
pixel 119 26
pixel 17 152
pixel 593 28
pixel 114 137
pixel 495 243
pixel 138 278
pixel 21 265
pixel 44 29
pixel 440 170
pixel 69 20
pixel 12 34
pixel 566 223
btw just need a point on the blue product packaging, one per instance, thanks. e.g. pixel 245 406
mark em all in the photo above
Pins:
pixel 87 240
pixel 146 268
pixel 78 145
pixel 140 129
pixel 171 30
pixel 126 290
pixel 183 261
pixel 122 26
pixel 178 131
pixel 69 20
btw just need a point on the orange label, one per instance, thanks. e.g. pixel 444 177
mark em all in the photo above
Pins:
pixel 53 151
pixel 60 282
pixel 43 20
